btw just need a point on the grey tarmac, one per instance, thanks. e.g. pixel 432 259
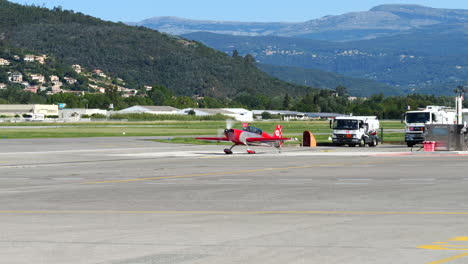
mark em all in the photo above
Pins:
pixel 132 200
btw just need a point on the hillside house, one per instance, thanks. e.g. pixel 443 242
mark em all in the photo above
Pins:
pixel 56 89
pixel 100 89
pixel 54 78
pixel 16 77
pixel 32 89
pixel 41 59
pixel 100 73
pixel 38 77
pixel 4 62
pixel 77 68
pixel 29 58
pixel 70 80
pixel 129 92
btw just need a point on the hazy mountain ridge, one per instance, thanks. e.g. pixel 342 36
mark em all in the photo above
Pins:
pixel 383 20
pixel 415 61
pixel 329 80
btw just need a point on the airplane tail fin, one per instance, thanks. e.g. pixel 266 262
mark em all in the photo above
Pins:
pixel 278 131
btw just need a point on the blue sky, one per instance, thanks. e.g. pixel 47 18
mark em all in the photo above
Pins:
pixel 239 10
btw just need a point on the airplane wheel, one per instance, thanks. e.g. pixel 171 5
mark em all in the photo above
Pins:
pixel 228 151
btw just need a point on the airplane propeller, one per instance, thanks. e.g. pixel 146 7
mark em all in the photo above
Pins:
pixel 229 123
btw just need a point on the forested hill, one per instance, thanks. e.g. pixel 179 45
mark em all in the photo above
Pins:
pixel 138 55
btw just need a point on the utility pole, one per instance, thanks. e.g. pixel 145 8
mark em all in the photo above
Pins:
pixel 460 91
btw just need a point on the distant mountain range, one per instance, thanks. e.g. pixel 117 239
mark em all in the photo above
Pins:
pixel 411 47
pixel 380 21
pixel 328 80
pixel 414 62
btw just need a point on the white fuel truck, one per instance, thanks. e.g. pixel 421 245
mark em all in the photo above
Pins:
pixel 416 120
pixel 355 131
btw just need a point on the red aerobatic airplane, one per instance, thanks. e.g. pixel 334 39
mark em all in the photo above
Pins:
pixel 250 136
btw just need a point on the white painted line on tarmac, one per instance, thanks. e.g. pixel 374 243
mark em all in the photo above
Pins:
pixel 422 183
pixel 352 183
pixel 294 179
pixel 234 179
pixel 73 151
pixel 419 179
pixel 162 183
pixel 355 179
pixel 67 178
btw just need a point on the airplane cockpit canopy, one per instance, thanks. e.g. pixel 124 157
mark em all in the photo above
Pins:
pixel 253 130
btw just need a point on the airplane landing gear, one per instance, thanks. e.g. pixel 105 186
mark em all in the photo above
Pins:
pixel 227 151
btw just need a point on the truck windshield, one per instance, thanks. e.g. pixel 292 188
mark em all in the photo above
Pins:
pixel 417 117
pixel 345 124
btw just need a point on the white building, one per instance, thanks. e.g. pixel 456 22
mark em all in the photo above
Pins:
pixel 156 110
pixel 20 109
pixel 77 68
pixel 241 114
pixel 38 77
pixel 4 62
pixel 77 113
pixel 70 80
pixel 54 78
pixel 29 58
pixel 16 77
pixel 238 114
pixel 284 114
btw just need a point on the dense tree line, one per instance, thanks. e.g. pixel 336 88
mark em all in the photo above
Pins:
pixel 390 107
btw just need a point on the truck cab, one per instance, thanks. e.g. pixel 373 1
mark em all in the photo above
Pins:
pixel 355 131
pixel 415 122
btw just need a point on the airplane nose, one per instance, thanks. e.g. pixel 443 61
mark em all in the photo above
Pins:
pixel 228 131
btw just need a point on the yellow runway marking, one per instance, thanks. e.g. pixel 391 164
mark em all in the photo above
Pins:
pixel 459 239
pixel 233 212
pixel 449 259
pixel 215 173
pixel 444 246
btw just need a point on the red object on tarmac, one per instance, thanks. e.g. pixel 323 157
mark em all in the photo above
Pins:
pixel 429 146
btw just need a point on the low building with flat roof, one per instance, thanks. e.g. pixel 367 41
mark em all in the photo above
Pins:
pixel 238 114
pixel 20 109
pixel 150 109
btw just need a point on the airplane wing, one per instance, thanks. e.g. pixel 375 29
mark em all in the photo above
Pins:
pixel 266 139
pixel 213 138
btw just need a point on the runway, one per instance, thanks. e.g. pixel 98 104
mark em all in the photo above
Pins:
pixel 132 200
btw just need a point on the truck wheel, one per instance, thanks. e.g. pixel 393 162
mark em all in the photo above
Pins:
pixel 362 143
